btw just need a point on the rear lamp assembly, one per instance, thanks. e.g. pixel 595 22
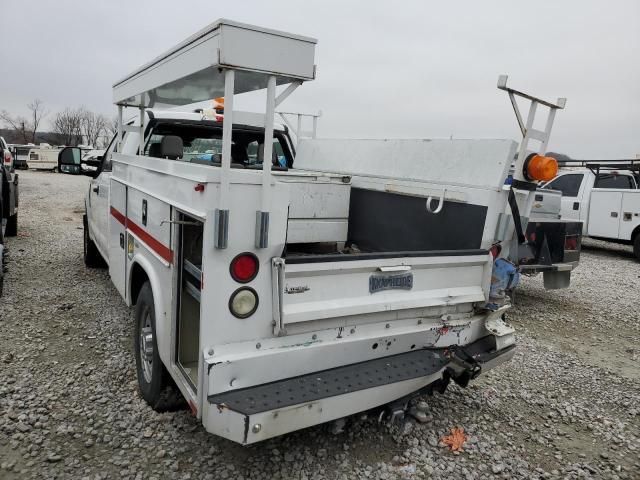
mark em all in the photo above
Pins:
pixel 571 242
pixel 244 267
pixel 243 302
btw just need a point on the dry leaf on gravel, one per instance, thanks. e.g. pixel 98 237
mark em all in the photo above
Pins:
pixel 455 440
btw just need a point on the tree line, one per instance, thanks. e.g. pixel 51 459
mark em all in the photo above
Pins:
pixel 72 126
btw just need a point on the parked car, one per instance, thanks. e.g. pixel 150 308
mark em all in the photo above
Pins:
pixel 8 202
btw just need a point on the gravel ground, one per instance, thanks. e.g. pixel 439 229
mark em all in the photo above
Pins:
pixel 567 406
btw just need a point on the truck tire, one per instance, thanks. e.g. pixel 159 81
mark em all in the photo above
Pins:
pixel 91 254
pixel 156 386
pixel 12 226
pixel 636 246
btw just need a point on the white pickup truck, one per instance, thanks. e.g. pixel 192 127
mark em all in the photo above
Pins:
pixel 274 297
pixel 604 196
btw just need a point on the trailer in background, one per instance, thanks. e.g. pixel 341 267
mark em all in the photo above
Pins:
pixel 42 157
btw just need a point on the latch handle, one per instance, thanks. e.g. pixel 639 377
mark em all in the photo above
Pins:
pixel 438 209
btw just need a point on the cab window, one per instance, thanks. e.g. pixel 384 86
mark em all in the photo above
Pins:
pixel 203 145
pixel 568 184
pixel 612 180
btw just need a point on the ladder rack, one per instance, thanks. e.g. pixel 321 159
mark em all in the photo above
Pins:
pixel 528 132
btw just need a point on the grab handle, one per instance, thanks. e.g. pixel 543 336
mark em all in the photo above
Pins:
pixel 438 209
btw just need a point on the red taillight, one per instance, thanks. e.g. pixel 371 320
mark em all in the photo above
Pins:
pixel 244 267
pixel 571 243
pixel 495 250
pixel 7 157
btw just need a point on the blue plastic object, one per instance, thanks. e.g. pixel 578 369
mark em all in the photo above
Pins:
pixel 505 277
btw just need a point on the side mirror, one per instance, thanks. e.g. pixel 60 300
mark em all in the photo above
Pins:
pixel 69 160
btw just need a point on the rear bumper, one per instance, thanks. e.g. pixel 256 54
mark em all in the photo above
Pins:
pixel 555 267
pixel 256 413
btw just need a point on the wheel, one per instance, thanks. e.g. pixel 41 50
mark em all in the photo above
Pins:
pixel 91 254
pixel 155 384
pixel 636 246
pixel 12 226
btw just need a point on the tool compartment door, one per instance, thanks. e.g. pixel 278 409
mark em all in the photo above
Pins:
pixel 630 214
pixel 605 211
pixel 117 241
pixel 379 289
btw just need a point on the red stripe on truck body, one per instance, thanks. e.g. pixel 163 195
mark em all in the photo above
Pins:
pixel 162 250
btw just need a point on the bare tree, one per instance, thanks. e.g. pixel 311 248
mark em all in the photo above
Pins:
pixel 111 127
pixel 68 124
pixel 22 127
pixel 93 126
pixel 19 125
pixel 37 114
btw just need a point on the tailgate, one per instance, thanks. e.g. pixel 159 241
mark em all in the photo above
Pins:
pixel 336 289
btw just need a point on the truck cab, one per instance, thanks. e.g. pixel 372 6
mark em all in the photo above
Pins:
pixel 577 184
pixel 201 139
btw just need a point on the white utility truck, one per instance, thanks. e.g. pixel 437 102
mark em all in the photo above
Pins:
pixel 275 297
pixel 603 195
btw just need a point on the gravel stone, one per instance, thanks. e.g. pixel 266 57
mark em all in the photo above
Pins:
pixel 565 407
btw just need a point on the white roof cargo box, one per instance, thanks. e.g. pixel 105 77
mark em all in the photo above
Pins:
pixel 193 72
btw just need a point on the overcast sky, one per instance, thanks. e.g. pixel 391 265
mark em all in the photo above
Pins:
pixel 385 68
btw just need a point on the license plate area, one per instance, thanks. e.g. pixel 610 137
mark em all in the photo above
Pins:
pixel 381 281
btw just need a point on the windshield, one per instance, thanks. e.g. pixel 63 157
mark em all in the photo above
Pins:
pixel 203 145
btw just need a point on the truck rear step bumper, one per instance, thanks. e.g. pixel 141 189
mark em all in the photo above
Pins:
pixel 275 408
pixel 332 382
